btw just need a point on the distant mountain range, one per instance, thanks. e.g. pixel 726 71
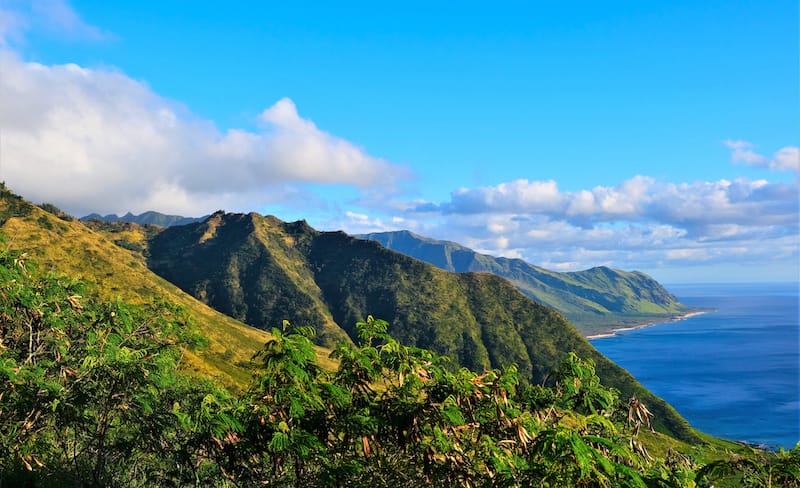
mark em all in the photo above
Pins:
pixel 594 300
pixel 154 218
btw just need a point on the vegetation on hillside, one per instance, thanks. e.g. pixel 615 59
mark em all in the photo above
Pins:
pixel 71 248
pixel 67 348
pixel 262 270
pixel 94 393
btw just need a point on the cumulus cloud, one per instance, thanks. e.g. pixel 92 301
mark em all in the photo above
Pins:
pixel 640 223
pixel 536 195
pixel 97 140
pixel 785 159
pixel 638 199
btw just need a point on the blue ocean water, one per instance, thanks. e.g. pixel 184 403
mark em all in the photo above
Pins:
pixel 733 372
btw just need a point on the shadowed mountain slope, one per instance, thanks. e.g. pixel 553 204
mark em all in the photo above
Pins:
pixel 594 300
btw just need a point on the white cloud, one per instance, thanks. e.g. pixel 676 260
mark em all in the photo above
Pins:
pixel 742 153
pixel 12 26
pixel 17 17
pixel 97 140
pixel 687 254
pixel 59 15
pixel 512 196
pixel 639 199
pixel 641 223
pixel 299 150
pixel 785 159
pixel 357 217
pixel 362 223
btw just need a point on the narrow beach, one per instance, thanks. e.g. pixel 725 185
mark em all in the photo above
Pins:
pixel 614 331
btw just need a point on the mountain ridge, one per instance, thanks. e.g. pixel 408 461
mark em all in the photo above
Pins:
pixel 149 217
pixel 596 300
pixel 477 319
pixel 262 270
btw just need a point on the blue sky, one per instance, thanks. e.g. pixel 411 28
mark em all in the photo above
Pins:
pixel 660 136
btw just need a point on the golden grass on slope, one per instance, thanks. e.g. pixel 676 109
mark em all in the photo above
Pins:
pixel 70 248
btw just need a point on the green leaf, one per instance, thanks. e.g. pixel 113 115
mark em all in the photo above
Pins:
pixel 279 442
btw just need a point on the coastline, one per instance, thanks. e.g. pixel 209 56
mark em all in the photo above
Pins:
pixel 613 332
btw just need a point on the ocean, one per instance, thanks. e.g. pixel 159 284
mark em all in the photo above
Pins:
pixel 733 372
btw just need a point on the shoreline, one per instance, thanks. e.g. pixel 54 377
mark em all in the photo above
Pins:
pixel 613 332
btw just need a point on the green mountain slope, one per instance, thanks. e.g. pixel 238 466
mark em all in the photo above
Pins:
pixel 245 266
pixel 262 271
pixel 65 245
pixel 594 300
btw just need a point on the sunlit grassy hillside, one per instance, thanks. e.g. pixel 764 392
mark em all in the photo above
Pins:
pixel 65 245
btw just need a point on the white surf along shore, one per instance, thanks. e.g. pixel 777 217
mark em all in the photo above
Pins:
pixel 613 332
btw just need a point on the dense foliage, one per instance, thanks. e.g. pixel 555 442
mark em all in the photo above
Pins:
pixel 90 391
pixel 92 394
